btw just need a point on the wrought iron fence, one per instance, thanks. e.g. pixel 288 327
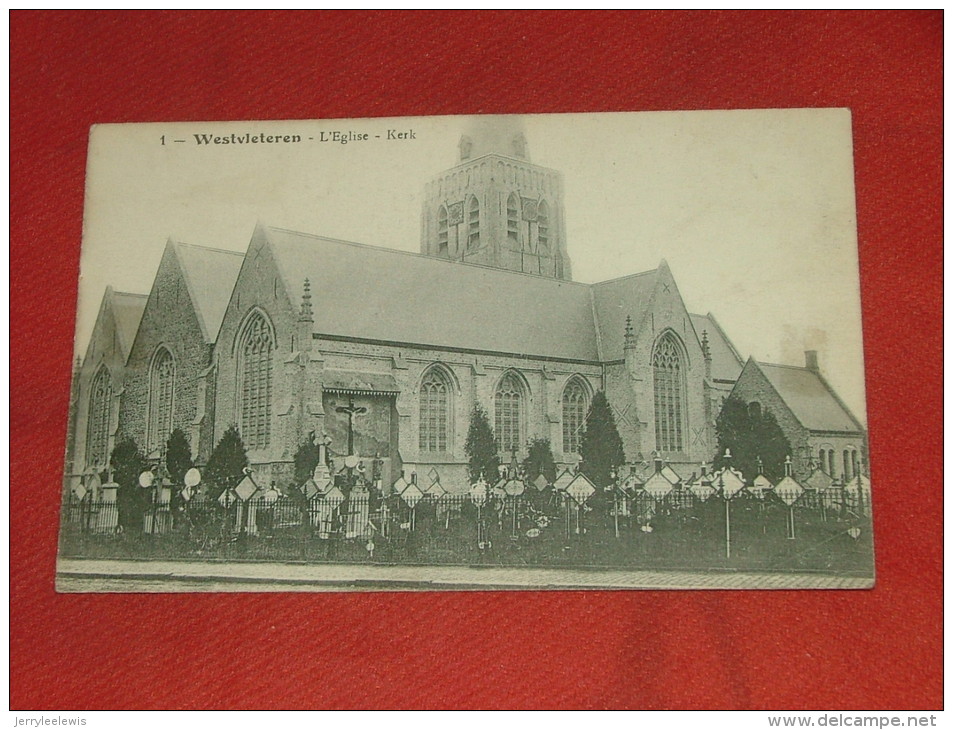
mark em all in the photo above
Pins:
pixel 827 530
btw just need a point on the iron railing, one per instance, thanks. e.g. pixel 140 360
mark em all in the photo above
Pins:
pixel 827 530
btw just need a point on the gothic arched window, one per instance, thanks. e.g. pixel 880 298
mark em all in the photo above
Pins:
pixel 542 226
pixel 473 223
pixel 443 232
pixel 669 377
pixel 575 409
pixel 255 365
pixel 161 392
pixel 509 413
pixel 435 391
pixel 512 218
pixel 97 429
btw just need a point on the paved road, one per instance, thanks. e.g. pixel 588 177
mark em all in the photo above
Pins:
pixel 78 575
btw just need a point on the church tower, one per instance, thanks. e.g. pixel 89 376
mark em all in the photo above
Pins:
pixel 495 207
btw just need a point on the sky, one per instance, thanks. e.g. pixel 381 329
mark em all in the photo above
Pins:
pixel 754 211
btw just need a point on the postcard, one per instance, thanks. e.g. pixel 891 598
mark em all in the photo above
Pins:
pixel 564 351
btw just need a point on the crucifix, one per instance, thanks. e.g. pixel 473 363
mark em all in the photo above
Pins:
pixel 351 410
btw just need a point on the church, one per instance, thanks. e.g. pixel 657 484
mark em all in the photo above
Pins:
pixel 387 352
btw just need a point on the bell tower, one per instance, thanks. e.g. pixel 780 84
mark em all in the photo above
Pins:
pixel 495 207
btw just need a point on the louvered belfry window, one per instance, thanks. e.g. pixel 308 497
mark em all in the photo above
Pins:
pixel 255 372
pixel 443 232
pixel 669 394
pixel 161 393
pixel 97 436
pixel 512 218
pixel 509 413
pixel 434 411
pixel 473 224
pixel 575 409
pixel 542 226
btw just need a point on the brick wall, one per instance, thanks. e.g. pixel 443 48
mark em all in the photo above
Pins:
pixel 169 321
pixel 666 313
pixel 260 288
pixel 474 378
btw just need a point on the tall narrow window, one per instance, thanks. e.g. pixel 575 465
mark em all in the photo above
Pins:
pixel 848 466
pixel 473 223
pixel 509 413
pixel 161 392
pixel 434 411
pixel 256 362
pixel 97 433
pixel 575 409
pixel 512 219
pixel 443 232
pixel 542 226
pixel 669 376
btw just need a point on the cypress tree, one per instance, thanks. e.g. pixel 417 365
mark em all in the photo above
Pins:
pixel 306 459
pixel 128 462
pixel 750 433
pixel 540 460
pixel 226 464
pixel 601 446
pixel 481 446
pixel 178 457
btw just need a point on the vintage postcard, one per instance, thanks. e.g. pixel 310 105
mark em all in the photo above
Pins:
pixel 490 352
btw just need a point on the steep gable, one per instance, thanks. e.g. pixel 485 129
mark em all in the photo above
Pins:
pixel 127 312
pixel 181 317
pixel 115 328
pixel 615 300
pixel 210 275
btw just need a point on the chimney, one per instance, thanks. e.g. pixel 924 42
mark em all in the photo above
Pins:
pixel 810 360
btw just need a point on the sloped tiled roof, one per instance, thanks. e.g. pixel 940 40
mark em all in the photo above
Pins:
pixel 616 299
pixel 127 310
pixel 726 363
pixel 810 398
pixel 210 275
pixel 382 294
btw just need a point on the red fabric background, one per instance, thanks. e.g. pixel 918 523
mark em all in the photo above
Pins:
pixel 642 650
